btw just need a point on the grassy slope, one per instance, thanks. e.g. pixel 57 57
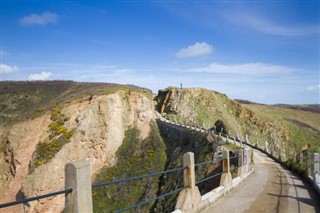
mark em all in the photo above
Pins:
pixel 146 156
pixel 304 126
pixel 291 128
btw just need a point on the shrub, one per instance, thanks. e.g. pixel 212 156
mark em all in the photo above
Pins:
pixel 219 124
pixel 57 139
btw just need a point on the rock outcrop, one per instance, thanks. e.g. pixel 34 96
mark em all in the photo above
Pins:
pixel 99 124
pixel 202 107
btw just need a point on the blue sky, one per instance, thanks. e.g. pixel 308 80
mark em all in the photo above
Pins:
pixel 262 51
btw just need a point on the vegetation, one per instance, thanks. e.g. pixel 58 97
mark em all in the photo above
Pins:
pixel 135 157
pixel 59 136
pixel 303 126
pixel 22 100
pixel 178 144
pixel 297 167
pixel 283 126
pixel 221 127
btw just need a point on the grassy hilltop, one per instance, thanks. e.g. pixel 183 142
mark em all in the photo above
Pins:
pixel 21 100
pixel 284 126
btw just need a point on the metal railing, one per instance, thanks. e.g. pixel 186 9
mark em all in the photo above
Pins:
pixel 137 177
pixel 26 200
pixel 151 175
pixel 103 184
pixel 141 177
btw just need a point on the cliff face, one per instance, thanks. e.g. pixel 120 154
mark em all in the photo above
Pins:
pixel 98 122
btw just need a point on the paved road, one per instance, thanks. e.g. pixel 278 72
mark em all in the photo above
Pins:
pixel 270 188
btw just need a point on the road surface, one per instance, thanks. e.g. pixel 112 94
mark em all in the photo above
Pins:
pixel 271 188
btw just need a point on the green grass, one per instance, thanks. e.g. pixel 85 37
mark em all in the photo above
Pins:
pixel 303 126
pixel 135 157
pixel 290 128
pixel 22 100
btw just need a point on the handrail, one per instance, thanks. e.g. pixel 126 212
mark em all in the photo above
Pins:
pixel 153 199
pixel 204 163
pixel 208 178
pixel 66 191
pixel 150 175
pixel 137 177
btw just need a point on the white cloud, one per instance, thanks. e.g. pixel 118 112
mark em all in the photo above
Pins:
pixel 39 19
pixel 40 77
pixel 266 26
pixel 246 68
pixel 4 68
pixel 313 88
pixel 195 50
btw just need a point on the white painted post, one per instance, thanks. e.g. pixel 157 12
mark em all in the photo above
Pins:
pixel 245 156
pixel 266 147
pixel 78 178
pixel 316 173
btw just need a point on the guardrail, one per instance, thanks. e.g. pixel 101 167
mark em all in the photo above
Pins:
pixel 312 164
pixel 78 187
pixel 66 191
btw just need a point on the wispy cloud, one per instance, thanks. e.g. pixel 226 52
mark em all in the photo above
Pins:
pixel 195 50
pixel 265 25
pixel 4 68
pixel 313 88
pixel 40 76
pixel 246 68
pixel 39 19
pixel 3 53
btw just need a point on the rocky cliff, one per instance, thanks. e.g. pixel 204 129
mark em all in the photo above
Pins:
pixel 98 123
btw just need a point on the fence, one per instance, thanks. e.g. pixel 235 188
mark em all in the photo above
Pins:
pixel 307 165
pixel 78 186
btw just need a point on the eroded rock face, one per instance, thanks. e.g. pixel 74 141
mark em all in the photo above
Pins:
pixel 22 140
pixel 99 125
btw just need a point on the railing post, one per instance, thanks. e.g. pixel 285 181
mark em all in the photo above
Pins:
pixel 301 158
pixel 308 163
pixel 316 173
pixel 78 178
pixel 245 168
pixel 189 198
pixel 226 177
pixel 266 149
pixel 188 173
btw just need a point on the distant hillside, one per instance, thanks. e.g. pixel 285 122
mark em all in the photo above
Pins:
pixel 285 127
pixel 307 107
